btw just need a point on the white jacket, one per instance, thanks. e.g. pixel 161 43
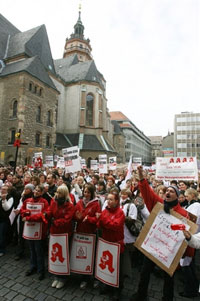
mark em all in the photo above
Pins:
pixel 194 242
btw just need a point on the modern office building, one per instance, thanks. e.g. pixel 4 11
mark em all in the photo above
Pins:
pixel 136 143
pixel 187 134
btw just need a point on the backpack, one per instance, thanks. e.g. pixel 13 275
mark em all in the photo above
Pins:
pixel 134 225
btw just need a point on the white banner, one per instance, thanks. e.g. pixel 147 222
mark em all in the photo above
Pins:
pixel 72 159
pixel 112 163
pixel 38 159
pixel 94 165
pixel 82 253
pixel 179 168
pixel 161 242
pixel 60 162
pixel 83 163
pixel 107 262
pixel 59 254
pixel 49 161
pixel 33 230
pixel 103 168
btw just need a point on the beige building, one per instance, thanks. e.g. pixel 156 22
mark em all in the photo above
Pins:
pixel 156 142
pixel 28 96
pixel 136 143
pixel 83 117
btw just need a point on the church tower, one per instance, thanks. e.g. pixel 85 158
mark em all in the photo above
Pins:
pixel 77 44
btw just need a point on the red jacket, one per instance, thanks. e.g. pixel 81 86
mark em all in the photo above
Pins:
pixel 90 209
pixel 151 198
pixel 111 222
pixel 36 217
pixel 61 217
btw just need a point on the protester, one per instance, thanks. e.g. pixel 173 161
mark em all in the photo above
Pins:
pixel 37 260
pixel 171 201
pixel 85 215
pixel 60 214
pixel 111 222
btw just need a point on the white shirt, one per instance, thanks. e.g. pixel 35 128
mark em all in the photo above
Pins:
pixel 128 237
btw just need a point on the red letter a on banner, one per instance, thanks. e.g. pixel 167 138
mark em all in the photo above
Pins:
pixel 57 252
pixel 107 260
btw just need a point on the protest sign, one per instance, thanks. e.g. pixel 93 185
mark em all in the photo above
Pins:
pixel 112 163
pixel 33 230
pixel 72 159
pixel 60 162
pixel 94 165
pixel 83 163
pixel 49 161
pixel 178 168
pixel 103 164
pixel 159 243
pixel 82 253
pixel 38 159
pixel 59 254
pixel 107 262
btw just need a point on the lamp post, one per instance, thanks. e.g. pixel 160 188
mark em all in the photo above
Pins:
pixel 54 152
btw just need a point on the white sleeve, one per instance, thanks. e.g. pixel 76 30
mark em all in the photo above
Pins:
pixel 133 211
pixel 104 205
pixel 19 205
pixel 194 242
pixel 78 190
pixel 145 213
pixel 7 204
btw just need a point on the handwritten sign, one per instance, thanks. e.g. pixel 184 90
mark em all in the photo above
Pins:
pixel 112 163
pixel 159 243
pixel 178 168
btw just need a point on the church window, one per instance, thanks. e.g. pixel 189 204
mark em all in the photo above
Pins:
pixel 38 114
pixel 14 109
pixel 35 89
pixel 30 86
pixel 89 110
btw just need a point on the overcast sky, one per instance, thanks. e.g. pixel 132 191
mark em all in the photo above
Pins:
pixel 147 50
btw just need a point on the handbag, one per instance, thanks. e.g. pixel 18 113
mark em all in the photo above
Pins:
pixel 134 225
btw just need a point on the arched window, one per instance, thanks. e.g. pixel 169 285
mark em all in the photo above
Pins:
pixel 14 109
pixel 89 109
pixel 37 139
pixel 38 114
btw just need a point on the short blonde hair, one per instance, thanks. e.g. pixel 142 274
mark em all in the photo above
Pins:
pixel 192 191
pixel 64 191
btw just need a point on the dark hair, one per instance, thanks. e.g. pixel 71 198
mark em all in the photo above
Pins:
pixel 91 189
pixel 102 183
pixel 96 177
pixel 35 178
pixel 42 175
pixel 41 187
pixel 115 192
pixel 174 182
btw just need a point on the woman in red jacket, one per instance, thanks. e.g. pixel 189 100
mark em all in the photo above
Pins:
pixel 36 246
pixel 111 222
pixel 60 213
pixel 85 216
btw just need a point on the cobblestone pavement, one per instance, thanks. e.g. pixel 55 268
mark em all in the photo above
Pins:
pixel 14 285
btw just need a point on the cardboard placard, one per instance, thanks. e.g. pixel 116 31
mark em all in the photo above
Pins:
pixel 159 243
pixel 82 253
pixel 107 262
pixel 59 254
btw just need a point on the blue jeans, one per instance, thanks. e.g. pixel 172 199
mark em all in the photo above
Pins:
pixel 37 255
pixel 3 231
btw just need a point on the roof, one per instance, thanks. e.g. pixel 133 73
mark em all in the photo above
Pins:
pixel 90 142
pixel 125 125
pixel 117 115
pixel 72 71
pixel 6 29
pixel 31 65
pixel 32 42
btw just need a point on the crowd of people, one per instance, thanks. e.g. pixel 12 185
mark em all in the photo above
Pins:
pixel 109 206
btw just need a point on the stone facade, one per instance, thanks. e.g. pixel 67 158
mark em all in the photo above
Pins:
pixel 29 93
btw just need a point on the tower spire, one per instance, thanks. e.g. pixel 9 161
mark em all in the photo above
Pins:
pixel 77 42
